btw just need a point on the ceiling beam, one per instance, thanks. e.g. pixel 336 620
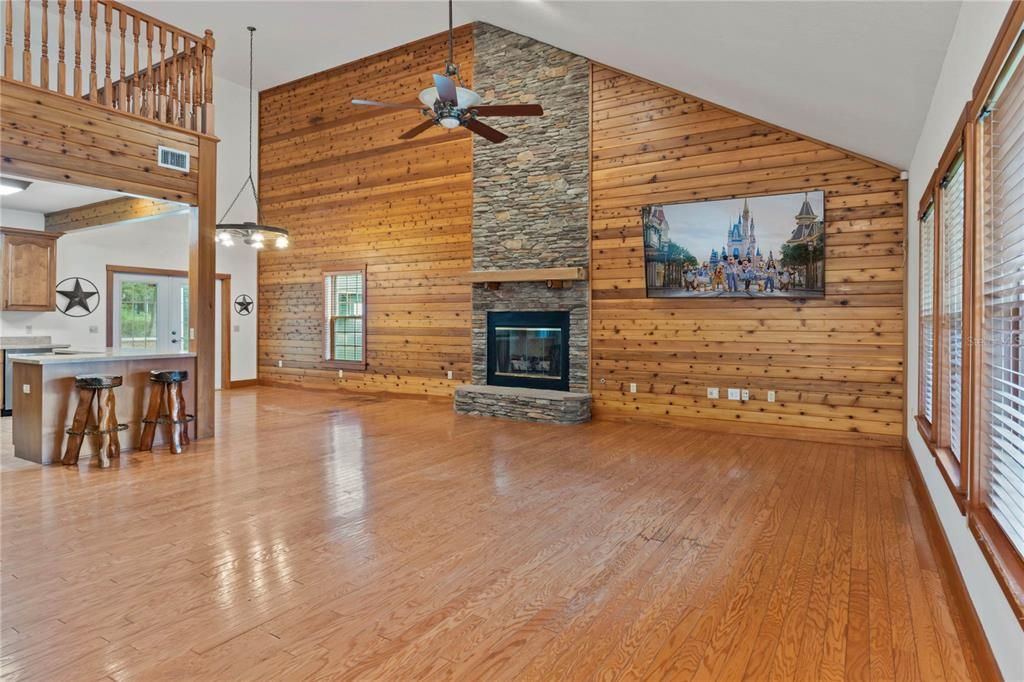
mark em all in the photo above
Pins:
pixel 108 212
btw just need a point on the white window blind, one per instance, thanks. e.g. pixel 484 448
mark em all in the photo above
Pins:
pixel 1002 239
pixel 343 316
pixel 953 299
pixel 927 312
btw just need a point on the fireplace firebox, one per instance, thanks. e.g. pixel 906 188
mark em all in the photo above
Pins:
pixel 528 349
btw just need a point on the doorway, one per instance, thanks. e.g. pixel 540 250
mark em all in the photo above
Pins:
pixel 150 312
pixel 148 309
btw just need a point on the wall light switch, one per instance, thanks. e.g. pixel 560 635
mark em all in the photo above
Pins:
pixel 26 389
pixel 94 329
pixel 236 328
pixel 771 396
pixel 632 388
pixel 28 329
pixel 745 394
pixel 341 374
pixel 734 394
pixel 280 363
pixel 450 375
pixel 713 393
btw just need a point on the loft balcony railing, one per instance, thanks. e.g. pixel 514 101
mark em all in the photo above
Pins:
pixel 111 55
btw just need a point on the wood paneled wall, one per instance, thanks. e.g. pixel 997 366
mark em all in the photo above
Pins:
pixel 836 364
pixel 351 194
pixel 47 136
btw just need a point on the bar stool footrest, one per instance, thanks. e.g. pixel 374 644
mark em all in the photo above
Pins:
pixel 167 420
pixel 97 432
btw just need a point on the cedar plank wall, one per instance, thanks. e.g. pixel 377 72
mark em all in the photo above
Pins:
pixel 836 364
pixel 47 136
pixel 351 194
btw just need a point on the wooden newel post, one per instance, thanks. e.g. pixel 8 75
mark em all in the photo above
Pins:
pixel 208 45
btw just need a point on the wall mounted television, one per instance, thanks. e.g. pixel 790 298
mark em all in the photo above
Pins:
pixel 770 246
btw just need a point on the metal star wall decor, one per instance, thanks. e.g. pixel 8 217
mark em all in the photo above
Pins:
pixel 243 304
pixel 81 300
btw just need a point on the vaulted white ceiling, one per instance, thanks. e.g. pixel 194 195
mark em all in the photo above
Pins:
pixel 857 74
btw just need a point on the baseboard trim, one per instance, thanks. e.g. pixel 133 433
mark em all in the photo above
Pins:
pixel 242 383
pixel 944 552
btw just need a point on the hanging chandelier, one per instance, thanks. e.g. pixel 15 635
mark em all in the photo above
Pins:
pixel 254 234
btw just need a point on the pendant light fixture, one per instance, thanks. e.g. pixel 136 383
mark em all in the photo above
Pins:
pixel 254 234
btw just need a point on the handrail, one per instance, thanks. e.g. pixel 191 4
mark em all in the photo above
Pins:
pixel 162 72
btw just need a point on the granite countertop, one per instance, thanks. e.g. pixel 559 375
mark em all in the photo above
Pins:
pixel 105 355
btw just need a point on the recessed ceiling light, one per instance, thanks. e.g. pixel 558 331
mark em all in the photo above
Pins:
pixel 10 186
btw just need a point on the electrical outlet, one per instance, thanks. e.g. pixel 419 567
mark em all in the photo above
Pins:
pixel 713 393
pixel 771 396
pixel 450 375
pixel 28 329
pixel 341 374
pixel 632 388
pixel 236 328
pixel 280 363
pixel 745 394
pixel 26 389
pixel 734 394
pixel 94 329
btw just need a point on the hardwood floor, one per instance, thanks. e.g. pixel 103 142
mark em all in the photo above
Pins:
pixel 329 536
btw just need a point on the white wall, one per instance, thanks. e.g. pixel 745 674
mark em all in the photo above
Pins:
pixel 972 39
pixel 28 220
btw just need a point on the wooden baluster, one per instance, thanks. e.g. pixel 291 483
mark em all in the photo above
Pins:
pixel 122 85
pixel 44 48
pixel 172 81
pixel 197 85
pixel 78 48
pixel 62 68
pixel 208 85
pixel 149 70
pixel 186 82
pixel 9 38
pixel 108 84
pixel 136 77
pixel 26 55
pixel 161 99
pixel 93 17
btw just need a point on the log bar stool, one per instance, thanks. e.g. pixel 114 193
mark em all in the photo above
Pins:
pixel 100 386
pixel 168 381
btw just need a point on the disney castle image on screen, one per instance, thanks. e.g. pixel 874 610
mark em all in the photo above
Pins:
pixel 754 247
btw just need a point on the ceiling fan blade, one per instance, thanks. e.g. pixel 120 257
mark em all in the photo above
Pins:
pixel 484 130
pixel 446 91
pixel 409 134
pixel 389 105
pixel 509 110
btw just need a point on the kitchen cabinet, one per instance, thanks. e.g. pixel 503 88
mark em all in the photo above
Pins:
pixel 29 268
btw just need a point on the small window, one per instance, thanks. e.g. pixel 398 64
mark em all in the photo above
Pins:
pixel 927 366
pixel 344 317
pixel 953 305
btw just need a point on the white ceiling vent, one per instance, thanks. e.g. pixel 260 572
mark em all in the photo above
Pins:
pixel 172 158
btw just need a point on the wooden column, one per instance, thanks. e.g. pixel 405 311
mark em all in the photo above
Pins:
pixel 201 286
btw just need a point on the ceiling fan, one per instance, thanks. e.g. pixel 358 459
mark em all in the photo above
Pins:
pixel 450 106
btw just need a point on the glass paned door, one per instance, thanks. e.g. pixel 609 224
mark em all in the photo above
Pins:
pixel 151 312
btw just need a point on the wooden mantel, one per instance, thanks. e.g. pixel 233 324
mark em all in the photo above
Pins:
pixel 556 278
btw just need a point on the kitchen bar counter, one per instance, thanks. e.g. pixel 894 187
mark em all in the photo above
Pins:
pixel 45 397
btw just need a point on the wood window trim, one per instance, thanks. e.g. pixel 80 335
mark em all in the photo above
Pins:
pixel 344 269
pixel 1002 557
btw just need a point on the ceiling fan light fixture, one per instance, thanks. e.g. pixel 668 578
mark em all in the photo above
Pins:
pixel 449 122
pixel 281 242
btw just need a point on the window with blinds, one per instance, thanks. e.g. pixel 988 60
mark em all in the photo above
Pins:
pixel 953 302
pixel 1002 283
pixel 344 331
pixel 927 365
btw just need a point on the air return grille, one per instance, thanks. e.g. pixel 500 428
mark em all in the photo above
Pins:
pixel 172 158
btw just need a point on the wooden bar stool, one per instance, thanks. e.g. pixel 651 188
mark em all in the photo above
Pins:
pixel 168 387
pixel 100 386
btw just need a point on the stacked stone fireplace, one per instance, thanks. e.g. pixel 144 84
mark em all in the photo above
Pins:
pixel 530 211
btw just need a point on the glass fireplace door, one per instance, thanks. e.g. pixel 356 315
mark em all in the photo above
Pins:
pixel 528 349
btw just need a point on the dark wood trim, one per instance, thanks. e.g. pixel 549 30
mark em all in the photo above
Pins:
pixel 1006 563
pixel 244 383
pixel 1004 43
pixel 944 552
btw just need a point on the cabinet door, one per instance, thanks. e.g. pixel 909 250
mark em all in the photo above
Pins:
pixel 30 265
